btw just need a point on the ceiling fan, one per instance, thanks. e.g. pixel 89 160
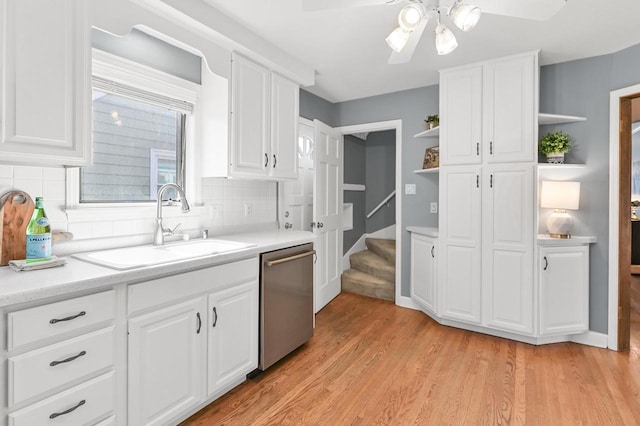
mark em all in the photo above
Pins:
pixel 464 14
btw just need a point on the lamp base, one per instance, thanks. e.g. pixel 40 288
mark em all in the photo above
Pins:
pixel 559 224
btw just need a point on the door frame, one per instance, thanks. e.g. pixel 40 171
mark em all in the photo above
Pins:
pixel 404 301
pixel 619 307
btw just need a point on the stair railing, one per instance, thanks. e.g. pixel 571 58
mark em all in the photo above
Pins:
pixel 379 206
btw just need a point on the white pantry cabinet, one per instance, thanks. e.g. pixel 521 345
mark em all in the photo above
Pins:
pixel 564 290
pixel 45 70
pixel 424 274
pixel 264 120
pixel 489 111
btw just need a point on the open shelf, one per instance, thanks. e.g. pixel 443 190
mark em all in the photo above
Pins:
pixel 431 133
pixel 425 171
pixel 544 119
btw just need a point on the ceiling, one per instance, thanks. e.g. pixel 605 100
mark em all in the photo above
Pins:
pixel 346 47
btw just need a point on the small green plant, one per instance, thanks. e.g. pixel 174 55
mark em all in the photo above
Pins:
pixel 555 142
pixel 435 119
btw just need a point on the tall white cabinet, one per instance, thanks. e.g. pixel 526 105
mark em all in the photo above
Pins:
pixel 488 118
pixel 45 117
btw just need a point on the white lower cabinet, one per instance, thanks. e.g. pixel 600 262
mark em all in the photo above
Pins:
pixel 233 335
pixel 564 290
pixel 424 272
pixel 166 362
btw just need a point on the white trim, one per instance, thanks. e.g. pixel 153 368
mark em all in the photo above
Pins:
pixel 614 200
pixel 353 187
pixel 591 338
pixel 386 200
pixel 397 126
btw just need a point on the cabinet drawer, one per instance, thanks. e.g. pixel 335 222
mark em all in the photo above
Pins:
pixel 80 405
pixel 164 290
pixel 41 322
pixel 38 371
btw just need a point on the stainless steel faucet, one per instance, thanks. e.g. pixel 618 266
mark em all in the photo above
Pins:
pixel 161 232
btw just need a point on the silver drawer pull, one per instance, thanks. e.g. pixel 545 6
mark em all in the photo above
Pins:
pixel 55 320
pixel 290 258
pixel 54 363
pixel 62 413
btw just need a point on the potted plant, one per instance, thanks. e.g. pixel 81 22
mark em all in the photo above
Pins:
pixel 554 145
pixel 432 121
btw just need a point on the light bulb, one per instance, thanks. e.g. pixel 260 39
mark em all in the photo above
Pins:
pixel 398 39
pixel 445 40
pixel 465 16
pixel 410 16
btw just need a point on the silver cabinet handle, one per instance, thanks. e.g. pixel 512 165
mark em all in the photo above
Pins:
pixel 290 258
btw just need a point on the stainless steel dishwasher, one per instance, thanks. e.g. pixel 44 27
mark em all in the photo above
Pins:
pixel 286 302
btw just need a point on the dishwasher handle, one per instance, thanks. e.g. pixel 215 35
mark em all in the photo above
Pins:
pixel 290 258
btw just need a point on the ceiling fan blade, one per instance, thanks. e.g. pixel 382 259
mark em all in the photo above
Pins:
pixel 313 5
pixel 539 10
pixel 406 53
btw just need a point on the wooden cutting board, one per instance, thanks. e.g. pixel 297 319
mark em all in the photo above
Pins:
pixel 16 208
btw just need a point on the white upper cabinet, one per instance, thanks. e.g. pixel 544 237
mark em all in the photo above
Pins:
pixel 461 109
pixel 45 69
pixel 264 122
pixel 510 109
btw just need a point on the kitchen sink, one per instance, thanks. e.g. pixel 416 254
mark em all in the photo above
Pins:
pixel 138 256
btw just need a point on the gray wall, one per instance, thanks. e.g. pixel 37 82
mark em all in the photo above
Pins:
pixel 354 173
pixel 314 107
pixel 150 51
pixel 380 151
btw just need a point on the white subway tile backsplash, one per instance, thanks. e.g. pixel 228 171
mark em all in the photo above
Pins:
pixel 53 173
pixel 33 187
pixel 53 189
pixel 27 172
pixel 6 171
pixel 80 230
pixel 6 184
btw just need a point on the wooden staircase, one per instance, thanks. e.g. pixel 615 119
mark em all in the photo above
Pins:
pixel 373 271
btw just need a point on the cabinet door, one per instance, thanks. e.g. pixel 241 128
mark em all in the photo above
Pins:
pixel 508 236
pixel 564 290
pixel 423 272
pixel 460 245
pixel 250 150
pixel 284 127
pixel 233 334
pixel 166 362
pixel 510 109
pixel 461 116
pixel 45 100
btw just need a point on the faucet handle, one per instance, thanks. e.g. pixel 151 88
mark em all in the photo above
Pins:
pixel 170 231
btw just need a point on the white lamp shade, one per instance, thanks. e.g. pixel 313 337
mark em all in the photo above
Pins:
pixel 465 16
pixel 445 40
pixel 410 16
pixel 398 39
pixel 560 195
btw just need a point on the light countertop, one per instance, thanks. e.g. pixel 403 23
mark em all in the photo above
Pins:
pixel 575 240
pixel 80 276
pixel 424 230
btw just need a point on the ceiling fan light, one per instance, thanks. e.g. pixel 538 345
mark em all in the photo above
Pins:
pixel 465 16
pixel 445 40
pixel 410 16
pixel 398 39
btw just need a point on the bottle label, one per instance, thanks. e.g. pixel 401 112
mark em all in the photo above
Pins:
pixel 42 221
pixel 39 246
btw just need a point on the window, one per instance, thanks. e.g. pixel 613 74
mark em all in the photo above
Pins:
pixel 138 145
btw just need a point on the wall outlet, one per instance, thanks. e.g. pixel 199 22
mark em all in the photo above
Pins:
pixel 410 188
pixel 434 207
pixel 248 210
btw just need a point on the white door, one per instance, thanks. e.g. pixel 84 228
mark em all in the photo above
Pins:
pixel 297 210
pixel 423 272
pixel 284 126
pixel 461 116
pixel 510 112
pixel 460 249
pixel 327 212
pixel 166 362
pixel 233 334
pixel 508 237
pixel 564 290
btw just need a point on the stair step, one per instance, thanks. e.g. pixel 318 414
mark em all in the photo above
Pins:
pixel 354 281
pixel 372 264
pixel 382 247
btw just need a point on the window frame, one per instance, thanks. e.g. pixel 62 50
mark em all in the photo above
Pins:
pixel 123 71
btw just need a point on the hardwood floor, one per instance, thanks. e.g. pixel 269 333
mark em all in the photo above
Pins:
pixel 371 362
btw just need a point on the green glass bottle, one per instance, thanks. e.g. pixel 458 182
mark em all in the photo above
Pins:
pixel 38 234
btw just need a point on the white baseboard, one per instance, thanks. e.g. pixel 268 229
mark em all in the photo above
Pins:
pixel 388 233
pixel 591 338
pixel 407 302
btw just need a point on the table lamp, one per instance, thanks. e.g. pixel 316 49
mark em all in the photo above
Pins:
pixel 560 196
